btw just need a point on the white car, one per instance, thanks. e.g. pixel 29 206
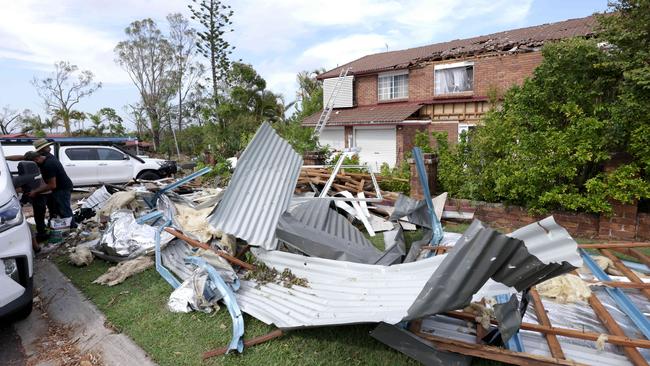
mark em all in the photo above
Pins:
pixel 90 165
pixel 16 253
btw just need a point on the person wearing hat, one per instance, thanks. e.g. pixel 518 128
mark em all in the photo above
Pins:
pixel 42 202
pixel 56 180
pixel 41 146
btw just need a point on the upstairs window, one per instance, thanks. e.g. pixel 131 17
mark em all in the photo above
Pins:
pixel 454 78
pixel 393 86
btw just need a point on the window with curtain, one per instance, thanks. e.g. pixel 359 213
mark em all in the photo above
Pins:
pixel 449 80
pixel 393 86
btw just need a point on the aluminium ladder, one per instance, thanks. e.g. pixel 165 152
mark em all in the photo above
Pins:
pixel 327 108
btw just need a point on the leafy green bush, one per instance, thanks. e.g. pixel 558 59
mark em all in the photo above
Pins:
pixel 396 179
pixel 546 146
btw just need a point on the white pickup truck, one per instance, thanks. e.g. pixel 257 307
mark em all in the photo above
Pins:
pixel 89 165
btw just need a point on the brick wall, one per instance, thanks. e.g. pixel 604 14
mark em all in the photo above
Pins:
pixel 405 139
pixel 450 127
pixel 421 83
pixel 501 72
pixel 643 226
pixel 509 218
pixel 365 89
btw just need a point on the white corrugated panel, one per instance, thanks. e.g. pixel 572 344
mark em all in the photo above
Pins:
pixel 333 136
pixel 339 292
pixel 343 98
pixel 377 145
pixel 342 292
pixel 260 190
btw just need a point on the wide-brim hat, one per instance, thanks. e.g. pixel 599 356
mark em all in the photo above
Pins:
pixel 40 144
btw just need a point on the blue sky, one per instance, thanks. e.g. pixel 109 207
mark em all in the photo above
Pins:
pixel 278 37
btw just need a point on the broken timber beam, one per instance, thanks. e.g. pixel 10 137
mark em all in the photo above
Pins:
pixel 614 245
pixel 198 244
pixel 633 252
pixel 610 324
pixel 572 333
pixel 542 317
pixel 626 271
pixel 247 343
pixel 492 353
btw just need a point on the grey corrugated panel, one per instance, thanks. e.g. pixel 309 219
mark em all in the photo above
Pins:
pixel 534 342
pixel 260 190
pixel 480 254
pixel 317 230
pixel 342 292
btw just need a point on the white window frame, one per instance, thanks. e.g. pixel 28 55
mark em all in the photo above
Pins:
pixel 453 65
pixel 392 93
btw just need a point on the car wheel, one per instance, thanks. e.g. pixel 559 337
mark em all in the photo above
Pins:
pixel 24 312
pixel 149 176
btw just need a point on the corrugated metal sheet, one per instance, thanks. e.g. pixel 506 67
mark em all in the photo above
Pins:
pixel 534 343
pixel 260 190
pixel 549 242
pixel 339 292
pixel 346 293
pixel 343 98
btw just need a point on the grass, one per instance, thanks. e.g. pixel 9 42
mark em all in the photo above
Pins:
pixel 137 307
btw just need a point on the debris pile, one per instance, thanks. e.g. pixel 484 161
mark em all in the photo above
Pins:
pixel 300 247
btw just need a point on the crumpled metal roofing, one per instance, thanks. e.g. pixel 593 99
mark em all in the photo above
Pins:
pixel 342 292
pixel 317 230
pixel 260 190
pixel 534 343
pixel 510 40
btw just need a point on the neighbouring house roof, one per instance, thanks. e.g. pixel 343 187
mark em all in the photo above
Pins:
pixel 516 40
pixel 372 114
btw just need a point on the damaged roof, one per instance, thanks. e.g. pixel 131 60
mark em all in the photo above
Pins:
pixel 374 114
pixel 516 40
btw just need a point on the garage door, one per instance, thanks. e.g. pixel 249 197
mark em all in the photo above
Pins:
pixel 334 137
pixel 377 146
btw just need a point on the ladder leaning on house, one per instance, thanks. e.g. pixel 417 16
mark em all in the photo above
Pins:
pixel 327 108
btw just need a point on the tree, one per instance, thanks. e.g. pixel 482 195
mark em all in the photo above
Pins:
pixel 187 73
pixel 9 120
pixel 625 28
pixel 61 92
pixel 309 94
pixel 214 16
pixel 148 58
pixel 32 123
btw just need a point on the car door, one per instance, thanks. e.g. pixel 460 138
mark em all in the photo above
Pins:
pixel 80 163
pixel 114 166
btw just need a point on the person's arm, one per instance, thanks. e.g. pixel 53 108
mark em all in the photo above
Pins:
pixel 15 157
pixel 49 185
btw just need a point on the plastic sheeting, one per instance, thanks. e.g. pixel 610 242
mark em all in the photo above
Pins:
pixel 124 237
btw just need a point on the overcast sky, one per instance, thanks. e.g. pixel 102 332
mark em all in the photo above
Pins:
pixel 278 37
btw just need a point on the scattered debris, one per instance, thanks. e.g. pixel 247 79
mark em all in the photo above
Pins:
pixel 276 245
pixel 117 274
pixel 262 275
pixel 81 256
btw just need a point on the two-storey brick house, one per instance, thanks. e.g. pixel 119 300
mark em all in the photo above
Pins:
pixel 389 96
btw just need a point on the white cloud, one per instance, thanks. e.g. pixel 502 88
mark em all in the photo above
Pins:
pixel 279 37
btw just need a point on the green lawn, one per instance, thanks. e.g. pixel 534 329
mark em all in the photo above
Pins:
pixel 137 307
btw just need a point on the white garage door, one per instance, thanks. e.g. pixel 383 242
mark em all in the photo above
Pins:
pixel 377 146
pixel 334 137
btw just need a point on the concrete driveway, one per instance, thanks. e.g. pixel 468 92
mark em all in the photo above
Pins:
pixel 64 327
